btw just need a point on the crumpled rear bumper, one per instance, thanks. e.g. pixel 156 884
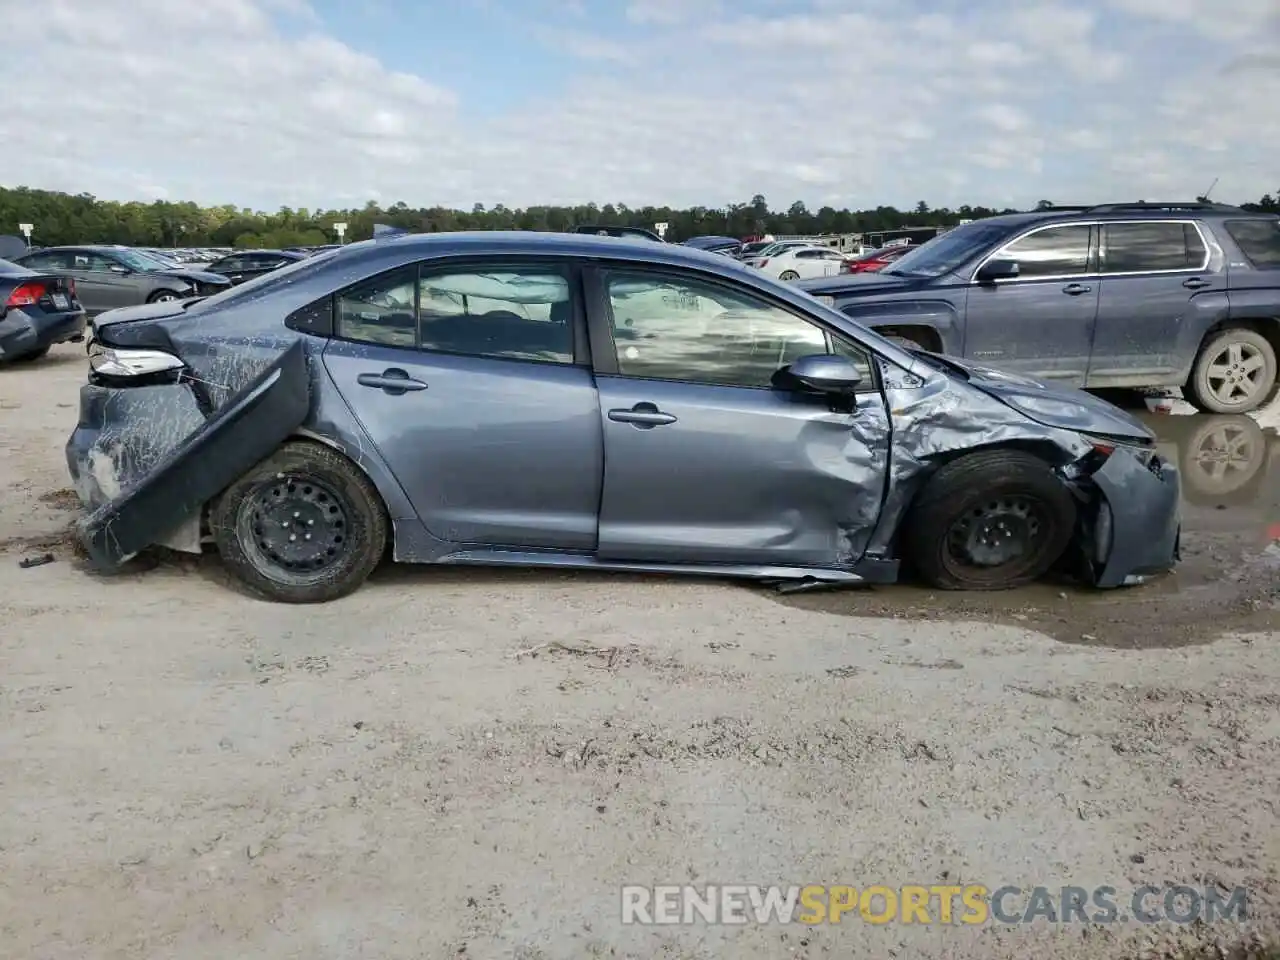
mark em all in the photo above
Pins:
pixel 1134 525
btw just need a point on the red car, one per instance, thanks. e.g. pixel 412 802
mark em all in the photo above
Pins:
pixel 879 259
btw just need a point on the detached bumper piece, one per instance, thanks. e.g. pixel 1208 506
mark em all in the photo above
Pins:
pixel 242 433
pixel 1133 526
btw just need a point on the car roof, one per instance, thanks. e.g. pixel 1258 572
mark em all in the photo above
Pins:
pixel 530 242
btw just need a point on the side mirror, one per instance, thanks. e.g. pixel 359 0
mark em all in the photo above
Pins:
pixel 117 268
pixel 820 373
pixel 995 270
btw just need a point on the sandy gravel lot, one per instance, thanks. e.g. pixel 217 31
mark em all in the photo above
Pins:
pixel 470 764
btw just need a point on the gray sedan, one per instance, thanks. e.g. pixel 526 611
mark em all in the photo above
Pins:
pixel 110 277
pixel 592 403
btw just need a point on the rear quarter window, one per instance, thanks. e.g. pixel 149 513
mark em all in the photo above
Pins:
pixel 1258 240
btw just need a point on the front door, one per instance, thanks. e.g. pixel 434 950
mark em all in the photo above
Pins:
pixel 704 462
pixel 1158 295
pixel 464 380
pixel 1041 323
pixel 99 286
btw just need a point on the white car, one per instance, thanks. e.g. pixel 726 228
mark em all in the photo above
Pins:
pixel 801 263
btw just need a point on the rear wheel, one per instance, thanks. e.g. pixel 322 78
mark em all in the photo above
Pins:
pixel 1235 372
pixel 992 520
pixel 303 526
pixel 789 275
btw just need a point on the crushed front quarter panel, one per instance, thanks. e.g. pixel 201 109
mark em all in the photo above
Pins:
pixel 1142 510
pixel 245 430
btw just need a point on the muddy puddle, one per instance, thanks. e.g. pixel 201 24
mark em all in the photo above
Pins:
pixel 1228 581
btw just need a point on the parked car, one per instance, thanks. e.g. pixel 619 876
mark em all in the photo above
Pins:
pixel 727 246
pixel 37 310
pixel 663 408
pixel 753 248
pixel 630 233
pixel 879 259
pixel 1116 295
pixel 797 263
pixel 110 277
pixel 247 264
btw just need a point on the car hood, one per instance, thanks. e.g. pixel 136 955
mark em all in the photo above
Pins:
pixel 143 311
pixel 859 284
pixel 1049 403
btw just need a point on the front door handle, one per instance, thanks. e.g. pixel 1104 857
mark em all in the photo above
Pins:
pixel 1075 289
pixel 1195 283
pixel 392 381
pixel 642 415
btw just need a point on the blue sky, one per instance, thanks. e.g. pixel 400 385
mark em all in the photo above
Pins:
pixel 844 102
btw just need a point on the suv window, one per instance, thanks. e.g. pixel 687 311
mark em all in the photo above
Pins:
pixel 1059 251
pixel 514 313
pixel 1143 247
pixel 675 328
pixel 1258 240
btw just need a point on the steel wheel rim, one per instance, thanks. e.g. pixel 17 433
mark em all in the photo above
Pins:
pixel 996 534
pixel 294 529
pixel 1234 375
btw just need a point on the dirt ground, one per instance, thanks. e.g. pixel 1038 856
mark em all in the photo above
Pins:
pixel 470 763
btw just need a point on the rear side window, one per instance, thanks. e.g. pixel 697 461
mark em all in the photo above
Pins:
pixel 1052 252
pixel 1148 247
pixel 503 312
pixel 1258 240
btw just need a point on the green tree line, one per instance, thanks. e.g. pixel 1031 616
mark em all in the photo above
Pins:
pixel 81 218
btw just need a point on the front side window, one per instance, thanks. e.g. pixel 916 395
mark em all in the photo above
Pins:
pixel 1258 240
pixel 1052 252
pixel 674 328
pixel 513 313
pixel 1144 247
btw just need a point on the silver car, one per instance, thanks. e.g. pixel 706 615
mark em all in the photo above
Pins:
pixel 109 277
pixel 586 402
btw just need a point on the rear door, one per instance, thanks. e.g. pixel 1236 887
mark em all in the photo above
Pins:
pixel 704 461
pixel 1040 323
pixel 1159 292
pixel 466 380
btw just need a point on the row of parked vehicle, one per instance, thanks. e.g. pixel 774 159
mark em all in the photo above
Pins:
pixel 49 292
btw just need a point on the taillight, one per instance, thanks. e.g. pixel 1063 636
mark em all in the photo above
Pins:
pixel 26 295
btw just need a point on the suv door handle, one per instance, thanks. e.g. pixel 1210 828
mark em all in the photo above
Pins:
pixel 392 381
pixel 1195 283
pixel 1075 289
pixel 643 415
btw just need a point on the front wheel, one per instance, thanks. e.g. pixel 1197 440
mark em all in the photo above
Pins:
pixel 1235 373
pixel 991 520
pixel 303 526
pixel 789 275
pixel 162 296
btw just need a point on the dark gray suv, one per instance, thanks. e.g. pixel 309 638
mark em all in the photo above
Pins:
pixel 1116 295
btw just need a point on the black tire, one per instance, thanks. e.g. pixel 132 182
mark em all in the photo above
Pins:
pixel 1007 486
pixel 28 357
pixel 788 275
pixel 164 295
pixel 313 488
pixel 1206 392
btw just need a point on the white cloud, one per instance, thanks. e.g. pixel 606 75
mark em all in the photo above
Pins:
pixel 670 101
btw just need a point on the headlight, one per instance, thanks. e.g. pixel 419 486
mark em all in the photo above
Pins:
pixel 122 362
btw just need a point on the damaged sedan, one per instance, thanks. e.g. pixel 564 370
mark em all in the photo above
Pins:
pixel 581 402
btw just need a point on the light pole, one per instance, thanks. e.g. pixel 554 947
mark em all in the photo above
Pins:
pixel 341 230
pixel 26 229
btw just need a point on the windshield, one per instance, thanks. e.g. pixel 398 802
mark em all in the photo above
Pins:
pixel 951 250
pixel 141 262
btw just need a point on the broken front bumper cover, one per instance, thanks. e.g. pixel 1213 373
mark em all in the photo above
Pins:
pixel 1134 528
pixel 153 503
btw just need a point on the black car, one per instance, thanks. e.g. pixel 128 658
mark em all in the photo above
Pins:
pixel 247 264
pixel 726 245
pixel 629 233
pixel 1113 295
pixel 37 310
pixel 108 277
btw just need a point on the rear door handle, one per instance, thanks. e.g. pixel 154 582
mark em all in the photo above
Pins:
pixel 1195 283
pixel 1075 289
pixel 392 380
pixel 643 415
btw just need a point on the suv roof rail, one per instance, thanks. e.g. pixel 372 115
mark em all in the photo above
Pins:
pixel 1146 205
pixel 1064 208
